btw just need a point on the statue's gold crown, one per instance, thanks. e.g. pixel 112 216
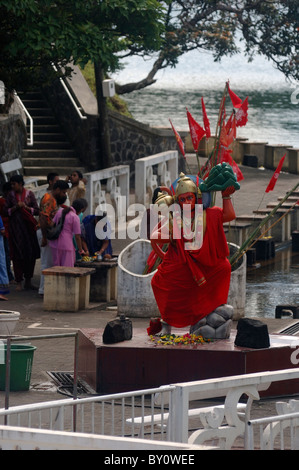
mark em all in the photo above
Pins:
pixel 186 185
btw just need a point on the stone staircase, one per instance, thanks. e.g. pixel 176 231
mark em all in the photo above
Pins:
pixel 51 151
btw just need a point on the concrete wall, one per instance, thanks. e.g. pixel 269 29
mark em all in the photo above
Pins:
pixel 12 138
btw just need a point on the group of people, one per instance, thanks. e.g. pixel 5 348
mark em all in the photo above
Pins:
pixel 26 229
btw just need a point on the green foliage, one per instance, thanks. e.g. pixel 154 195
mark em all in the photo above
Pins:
pixel 34 35
pixel 115 103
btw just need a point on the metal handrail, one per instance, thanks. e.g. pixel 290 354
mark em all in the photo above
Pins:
pixel 30 140
pixel 269 420
pixel 77 108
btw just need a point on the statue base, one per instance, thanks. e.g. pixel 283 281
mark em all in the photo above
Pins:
pixel 141 363
pixel 216 325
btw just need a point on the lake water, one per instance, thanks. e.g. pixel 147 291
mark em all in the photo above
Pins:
pixel 273 114
pixel 274 283
pixel 273 117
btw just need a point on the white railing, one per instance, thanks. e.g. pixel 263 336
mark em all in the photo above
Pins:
pixel 77 108
pixel 13 438
pixel 164 413
pixel 117 187
pixel 20 103
pixel 145 179
pixel 279 432
pixel 112 415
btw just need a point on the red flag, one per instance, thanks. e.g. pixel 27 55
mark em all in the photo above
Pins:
pixel 232 132
pixel 236 101
pixel 196 131
pixel 224 137
pixel 178 139
pixel 231 124
pixel 206 121
pixel 274 178
pixel 237 171
pixel 227 157
pixel 242 114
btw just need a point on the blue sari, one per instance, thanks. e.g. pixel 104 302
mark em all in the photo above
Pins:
pixel 4 281
pixel 94 244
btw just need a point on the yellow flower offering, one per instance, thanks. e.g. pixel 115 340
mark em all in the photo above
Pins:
pixel 186 339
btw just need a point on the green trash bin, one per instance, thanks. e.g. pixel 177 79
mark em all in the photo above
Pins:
pixel 20 367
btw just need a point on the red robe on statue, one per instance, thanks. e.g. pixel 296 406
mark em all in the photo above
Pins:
pixel 188 284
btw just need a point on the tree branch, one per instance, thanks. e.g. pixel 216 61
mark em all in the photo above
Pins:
pixel 147 81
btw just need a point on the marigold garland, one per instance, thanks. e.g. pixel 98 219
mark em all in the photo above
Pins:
pixel 186 339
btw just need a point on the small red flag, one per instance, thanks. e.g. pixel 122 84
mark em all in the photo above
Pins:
pixel 227 157
pixel 206 121
pixel 274 178
pixel 237 171
pixel 242 114
pixel 236 101
pixel 178 139
pixel 196 131
pixel 232 133
pixel 224 137
pixel 229 122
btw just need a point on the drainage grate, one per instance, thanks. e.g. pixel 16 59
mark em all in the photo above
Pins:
pixel 290 330
pixel 65 384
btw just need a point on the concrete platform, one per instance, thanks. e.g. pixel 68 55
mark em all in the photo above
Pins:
pixel 140 363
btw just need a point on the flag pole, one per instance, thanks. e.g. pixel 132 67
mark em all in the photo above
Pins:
pixel 273 180
pixel 180 144
pixel 218 133
pixel 198 164
pixel 219 124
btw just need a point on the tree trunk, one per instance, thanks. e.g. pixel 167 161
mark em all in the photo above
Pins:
pixel 147 81
pixel 104 131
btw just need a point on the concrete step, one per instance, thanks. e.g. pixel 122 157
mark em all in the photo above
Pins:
pixel 50 137
pixel 285 205
pixel 249 218
pixel 37 103
pixel 54 162
pixel 46 128
pixel 31 95
pixel 292 199
pixel 51 145
pixel 40 111
pixel 43 120
pixel 43 171
pixel 48 153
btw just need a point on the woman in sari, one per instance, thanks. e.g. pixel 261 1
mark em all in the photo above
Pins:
pixel 21 207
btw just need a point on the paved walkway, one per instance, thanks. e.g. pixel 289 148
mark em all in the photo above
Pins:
pixel 58 354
